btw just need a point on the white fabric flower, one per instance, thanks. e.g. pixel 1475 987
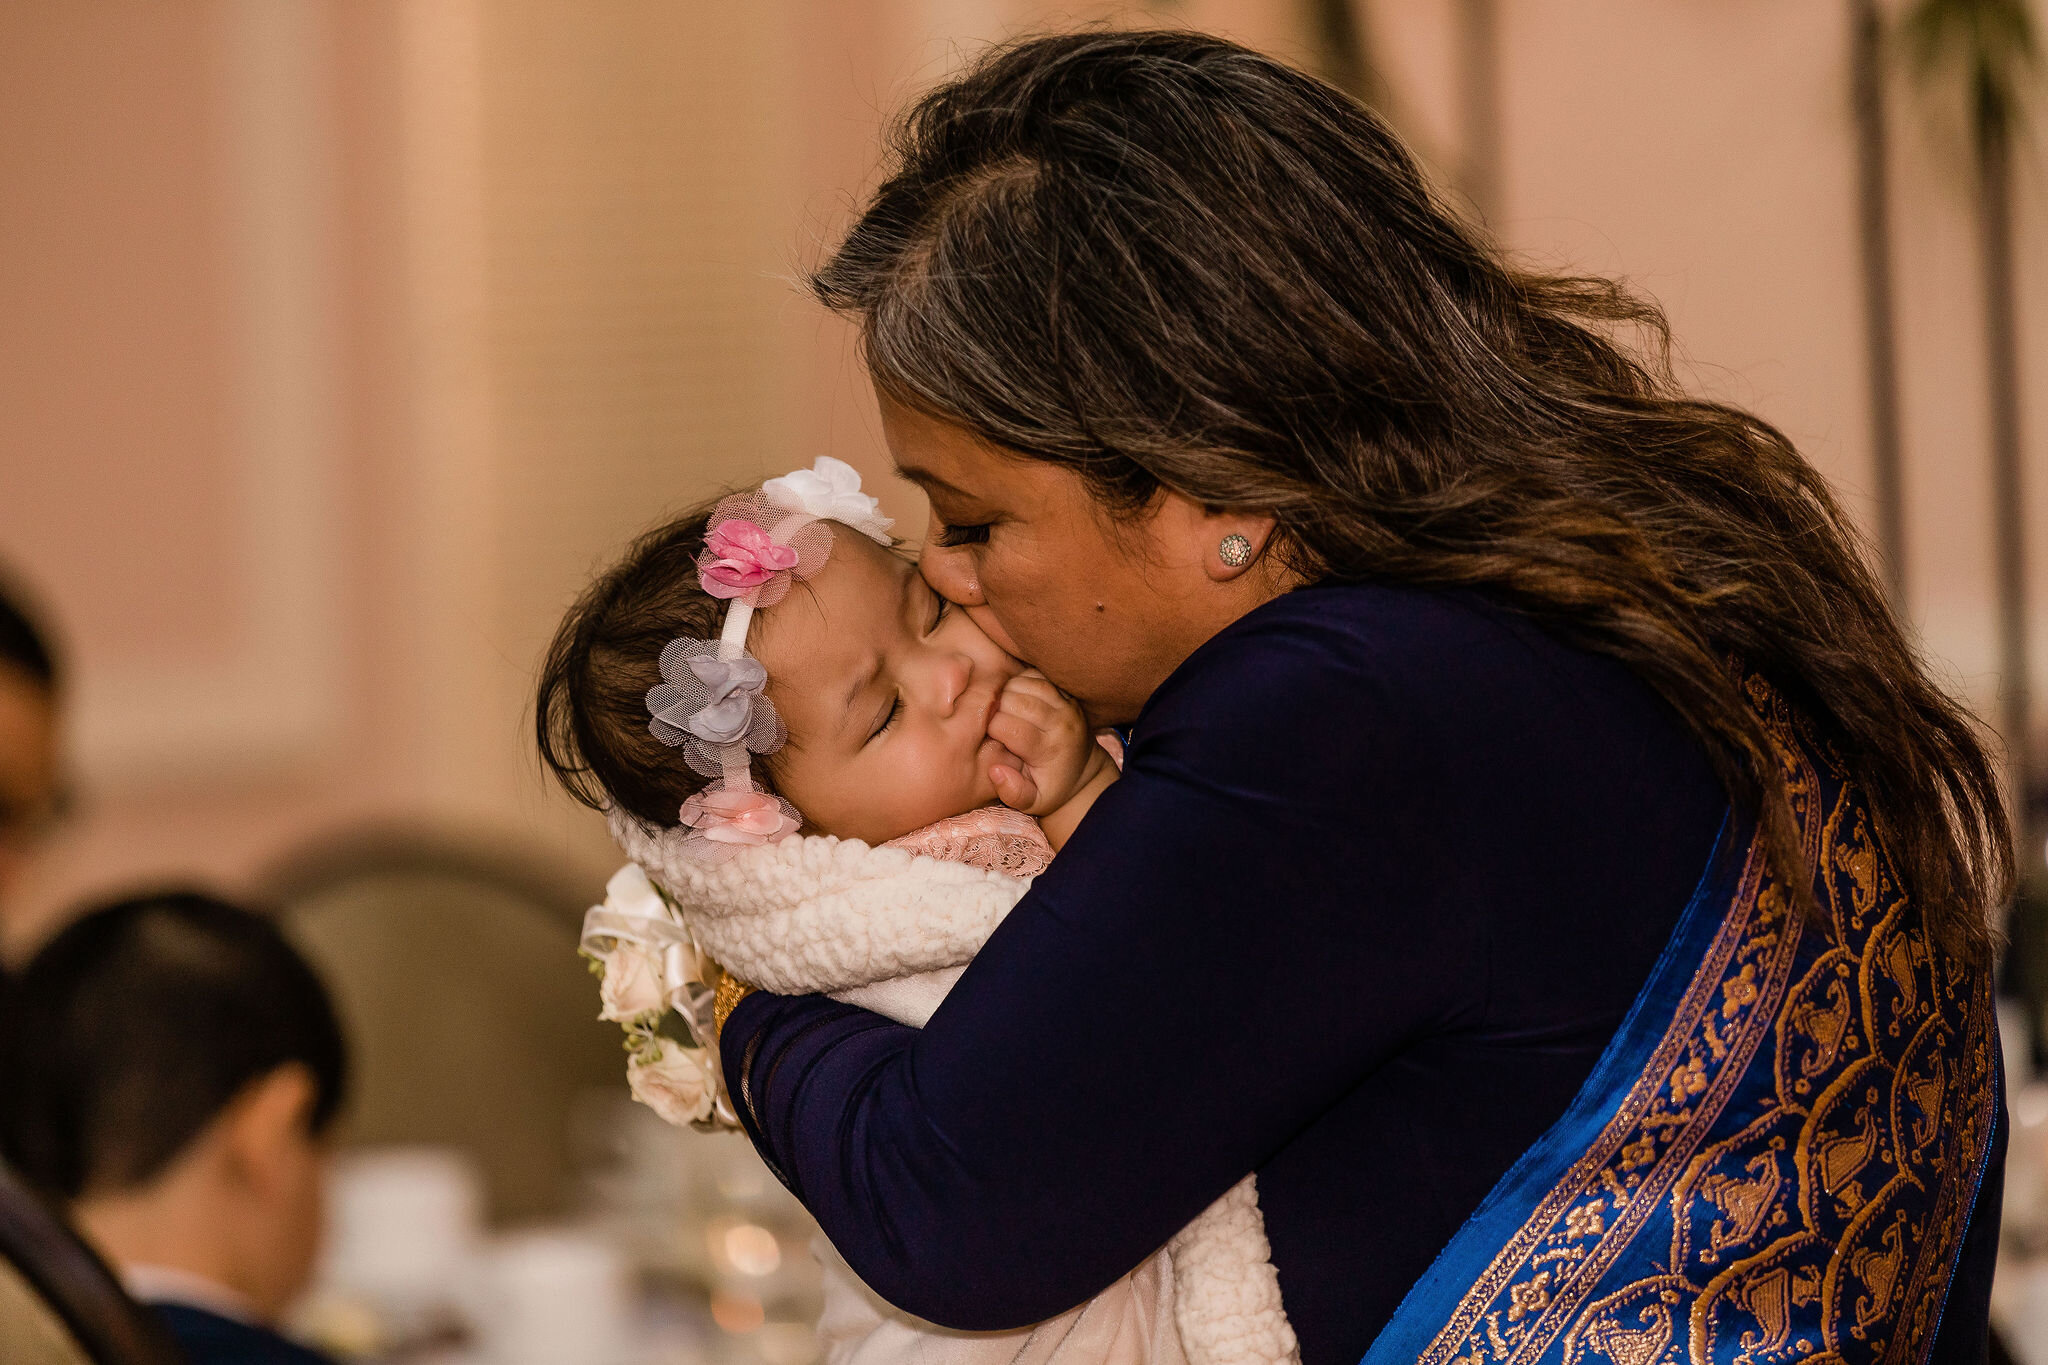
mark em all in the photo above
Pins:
pixel 672 1080
pixel 635 983
pixel 830 491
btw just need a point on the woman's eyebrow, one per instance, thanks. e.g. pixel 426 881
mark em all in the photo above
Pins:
pixel 927 480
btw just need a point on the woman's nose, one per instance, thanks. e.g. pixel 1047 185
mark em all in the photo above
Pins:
pixel 950 571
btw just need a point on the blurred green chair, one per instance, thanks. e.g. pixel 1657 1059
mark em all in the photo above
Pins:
pixel 471 1021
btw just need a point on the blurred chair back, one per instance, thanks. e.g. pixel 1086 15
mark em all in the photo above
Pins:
pixel 59 1304
pixel 471 1021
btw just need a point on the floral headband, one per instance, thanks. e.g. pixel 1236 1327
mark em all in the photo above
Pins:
pixel 711 702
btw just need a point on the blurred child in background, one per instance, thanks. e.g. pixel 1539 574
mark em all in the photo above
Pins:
pixel 31 794
pixel 172 1067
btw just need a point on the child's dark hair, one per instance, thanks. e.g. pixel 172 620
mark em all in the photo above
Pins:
pixel 590 716
pixel 138 1024
pixel 24 646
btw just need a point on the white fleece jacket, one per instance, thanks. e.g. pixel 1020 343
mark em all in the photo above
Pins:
pixel 891 931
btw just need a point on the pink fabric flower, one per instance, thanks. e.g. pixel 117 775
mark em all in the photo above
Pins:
pixel 740 557
pixel 729 817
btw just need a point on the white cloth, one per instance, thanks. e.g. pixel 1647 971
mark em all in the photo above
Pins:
pixel 892 931
pixel 911 1000
pixel 1131 1322
pixel 147 1283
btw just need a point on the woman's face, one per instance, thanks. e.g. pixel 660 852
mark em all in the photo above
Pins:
pixel 1105 608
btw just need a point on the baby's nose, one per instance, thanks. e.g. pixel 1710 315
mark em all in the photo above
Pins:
pixel 952 675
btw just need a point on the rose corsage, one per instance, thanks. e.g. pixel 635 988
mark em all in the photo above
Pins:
pixel 655 984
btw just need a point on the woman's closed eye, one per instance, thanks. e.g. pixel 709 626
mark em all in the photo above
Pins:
pixel 952 536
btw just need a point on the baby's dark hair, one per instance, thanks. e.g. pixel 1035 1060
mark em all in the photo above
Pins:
pixel 590 715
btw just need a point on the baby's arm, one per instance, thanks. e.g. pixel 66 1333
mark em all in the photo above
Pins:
pixel 1063 768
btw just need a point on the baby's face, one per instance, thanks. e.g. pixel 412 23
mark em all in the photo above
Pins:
pixel 887 692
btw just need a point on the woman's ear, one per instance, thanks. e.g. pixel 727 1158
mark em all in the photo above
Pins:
pixel 1238 541
pixel 1224 543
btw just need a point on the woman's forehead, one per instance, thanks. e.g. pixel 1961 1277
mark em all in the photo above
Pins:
pixel 946 459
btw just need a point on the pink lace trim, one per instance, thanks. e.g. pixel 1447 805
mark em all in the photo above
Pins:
pixel 994 839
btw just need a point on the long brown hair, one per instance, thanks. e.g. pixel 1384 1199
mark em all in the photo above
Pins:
pixel 1165 261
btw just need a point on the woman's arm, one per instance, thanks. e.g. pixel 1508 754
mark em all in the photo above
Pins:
pixel 1340 831
pixel 1191 983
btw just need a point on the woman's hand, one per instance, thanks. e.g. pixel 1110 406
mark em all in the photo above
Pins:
pixel 1063 767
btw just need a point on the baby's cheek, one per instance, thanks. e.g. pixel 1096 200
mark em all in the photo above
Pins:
pixel 894 798
pixel 939 781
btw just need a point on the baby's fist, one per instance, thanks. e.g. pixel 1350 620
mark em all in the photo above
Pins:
pixel 1045 729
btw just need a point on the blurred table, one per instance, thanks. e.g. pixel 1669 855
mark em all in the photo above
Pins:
pixel 682 1250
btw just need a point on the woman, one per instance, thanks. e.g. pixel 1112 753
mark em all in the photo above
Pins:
pixel 1540 859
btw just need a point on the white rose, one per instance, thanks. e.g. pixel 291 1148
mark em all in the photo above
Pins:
pixel 634 983
pixel 672 1080
pixel 630 893
pixel 830 491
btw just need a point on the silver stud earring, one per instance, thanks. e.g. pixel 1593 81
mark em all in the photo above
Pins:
pixel 1235 551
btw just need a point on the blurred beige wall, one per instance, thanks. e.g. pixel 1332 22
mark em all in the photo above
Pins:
pixel 339 339
pixel 1704 152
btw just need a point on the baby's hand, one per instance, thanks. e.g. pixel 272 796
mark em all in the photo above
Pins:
pixel 1063 768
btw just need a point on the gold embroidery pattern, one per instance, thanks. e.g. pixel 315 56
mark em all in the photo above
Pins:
pixel 1801 1150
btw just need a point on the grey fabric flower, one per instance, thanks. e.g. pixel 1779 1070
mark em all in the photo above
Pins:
pixel 706 705
pixel 729 702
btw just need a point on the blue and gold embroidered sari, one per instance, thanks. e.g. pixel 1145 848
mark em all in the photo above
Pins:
pixel 1777 1157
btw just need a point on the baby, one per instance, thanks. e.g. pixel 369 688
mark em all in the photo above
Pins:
pixel 890 709
pixel 826 770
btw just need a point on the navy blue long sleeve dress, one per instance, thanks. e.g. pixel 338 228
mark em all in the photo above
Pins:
pixel 1384 873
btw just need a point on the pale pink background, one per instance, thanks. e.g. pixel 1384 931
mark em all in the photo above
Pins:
pixel 340 338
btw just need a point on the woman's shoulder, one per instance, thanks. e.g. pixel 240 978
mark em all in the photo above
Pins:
pixel 1375 645
pixel 1437 687
pixel 1386 614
